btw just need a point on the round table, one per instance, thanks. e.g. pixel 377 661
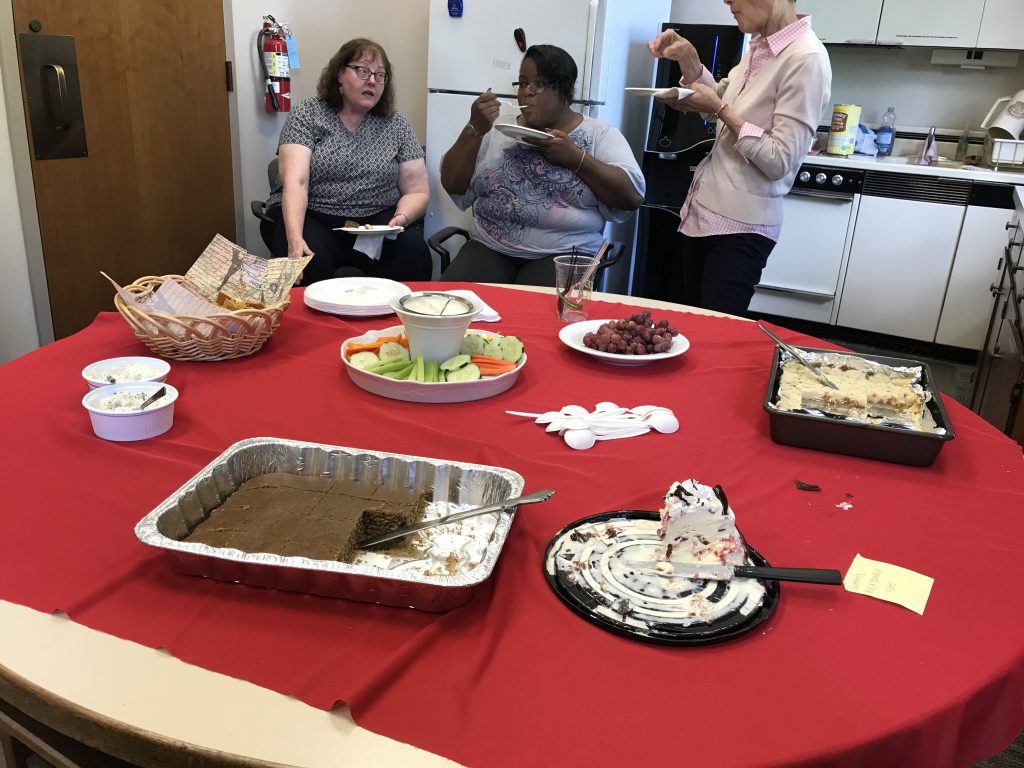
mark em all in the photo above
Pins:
pixel 144 705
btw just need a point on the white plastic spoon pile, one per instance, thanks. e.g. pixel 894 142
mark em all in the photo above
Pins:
pixel 581 428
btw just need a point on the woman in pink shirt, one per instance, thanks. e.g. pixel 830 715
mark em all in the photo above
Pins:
pixel 767 112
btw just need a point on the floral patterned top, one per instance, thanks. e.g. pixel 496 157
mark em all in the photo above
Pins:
pixel 525 206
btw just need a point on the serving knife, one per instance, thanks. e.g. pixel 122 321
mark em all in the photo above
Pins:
pixel 501 506
pixel 799 358
pixel 716 572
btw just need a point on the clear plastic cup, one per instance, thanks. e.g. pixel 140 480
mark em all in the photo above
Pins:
pixel 573 292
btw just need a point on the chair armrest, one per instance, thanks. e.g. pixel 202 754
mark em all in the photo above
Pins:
pixel 614 255
pixel 259 210
pixel 436 243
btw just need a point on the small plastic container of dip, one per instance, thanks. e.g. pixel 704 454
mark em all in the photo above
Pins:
pixel 127 425
pixel 124 370
pixel 435 322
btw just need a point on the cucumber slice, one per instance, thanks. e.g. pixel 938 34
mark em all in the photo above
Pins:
pixel 473 344
pixel 511 348
pixel 363 359
pixel 392 350
pixel 492 348
pixel 468 372
pixel 456 362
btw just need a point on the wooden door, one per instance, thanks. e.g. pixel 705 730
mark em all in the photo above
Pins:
pixel 156 185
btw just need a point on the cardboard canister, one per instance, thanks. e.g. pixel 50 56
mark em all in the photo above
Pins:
pixel 842 135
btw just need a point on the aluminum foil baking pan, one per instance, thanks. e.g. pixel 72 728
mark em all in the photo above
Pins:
pixel 855 438
pixel 461 483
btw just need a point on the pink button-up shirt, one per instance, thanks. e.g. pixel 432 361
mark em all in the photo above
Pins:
pixel 698 221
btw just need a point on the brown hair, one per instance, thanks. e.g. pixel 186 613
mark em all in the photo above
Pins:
pixel 327 89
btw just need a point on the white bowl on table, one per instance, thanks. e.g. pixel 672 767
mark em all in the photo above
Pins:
pixel 95 373
pixel 124 426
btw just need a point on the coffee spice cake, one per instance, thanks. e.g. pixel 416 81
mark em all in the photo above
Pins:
pixel 315 517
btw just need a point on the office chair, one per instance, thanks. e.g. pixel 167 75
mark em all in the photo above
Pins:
pixel 436 242
pixel 259 207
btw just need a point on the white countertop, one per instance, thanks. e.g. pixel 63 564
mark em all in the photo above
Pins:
pixel 905 164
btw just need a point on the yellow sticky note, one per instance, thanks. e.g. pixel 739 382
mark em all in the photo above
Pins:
pixel 888 582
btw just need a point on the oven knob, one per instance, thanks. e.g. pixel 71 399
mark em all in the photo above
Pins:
pixel 805 176
pixel 821 178
pixel 837 180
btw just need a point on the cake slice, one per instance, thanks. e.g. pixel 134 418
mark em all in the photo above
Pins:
pixel 697 528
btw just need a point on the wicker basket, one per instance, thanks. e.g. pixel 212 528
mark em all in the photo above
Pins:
pixel 220 336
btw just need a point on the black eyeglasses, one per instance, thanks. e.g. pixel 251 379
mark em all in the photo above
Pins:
pixel 365 72
pixel 537 86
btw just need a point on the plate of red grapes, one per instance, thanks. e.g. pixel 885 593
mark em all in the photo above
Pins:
pixel 633 340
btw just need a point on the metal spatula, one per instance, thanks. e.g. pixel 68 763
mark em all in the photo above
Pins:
pixel 456 516
pixel 153 398
pixel 800 359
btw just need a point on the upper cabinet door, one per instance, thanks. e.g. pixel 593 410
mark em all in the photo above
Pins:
pixel 838 22
pixel 1002 25
pixel 943 23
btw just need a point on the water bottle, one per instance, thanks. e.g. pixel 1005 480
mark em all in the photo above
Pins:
pixel 886 133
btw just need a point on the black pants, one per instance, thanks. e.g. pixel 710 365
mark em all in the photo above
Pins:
pixel 476 263
pixel 720 271
pixel 404 258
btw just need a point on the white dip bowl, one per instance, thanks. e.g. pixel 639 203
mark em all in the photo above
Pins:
pixel 124 370
pixel 435 322
pixel 125 425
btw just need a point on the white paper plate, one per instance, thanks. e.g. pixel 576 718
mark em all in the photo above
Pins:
pixel 520 132
pixel 354 295
pixel 373 229
pixel 572 336
pixel 417 391
pixel 675 93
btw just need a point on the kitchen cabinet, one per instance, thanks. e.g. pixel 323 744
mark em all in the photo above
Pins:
pixel 836 22
pixel 976 266
pixel 1002 25
pixel 899 266
pixel 944 23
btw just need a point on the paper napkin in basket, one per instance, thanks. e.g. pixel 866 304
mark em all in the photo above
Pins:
pixel 487 314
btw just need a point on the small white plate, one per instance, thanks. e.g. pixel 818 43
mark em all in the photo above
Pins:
pixel 675 93
pixel 572 336
pixel 420 392
pixel 372 229
pixel 520 132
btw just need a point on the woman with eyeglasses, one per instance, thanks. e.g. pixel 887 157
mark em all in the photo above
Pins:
pixel 767 111
pixel 534 198
pixel 347 157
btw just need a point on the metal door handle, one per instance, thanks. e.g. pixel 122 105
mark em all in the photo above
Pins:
pixel 795 291
pixel 61 124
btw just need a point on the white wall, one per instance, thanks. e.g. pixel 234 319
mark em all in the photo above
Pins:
pixel 700 12
pixel 17 316
pixel 922 93
pixel 400 26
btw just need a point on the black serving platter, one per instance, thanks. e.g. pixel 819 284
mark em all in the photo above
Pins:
pixel 836 434
pixel 596 609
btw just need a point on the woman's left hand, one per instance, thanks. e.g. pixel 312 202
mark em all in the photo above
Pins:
pixel 559 149
pixel 703 99
pixel 399 220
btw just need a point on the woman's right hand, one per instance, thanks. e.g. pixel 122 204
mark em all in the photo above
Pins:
pixel 669 45
pixel 484 111
pixel 298 248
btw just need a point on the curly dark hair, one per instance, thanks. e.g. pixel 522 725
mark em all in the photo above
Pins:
pixel 556 66
pixel 327 88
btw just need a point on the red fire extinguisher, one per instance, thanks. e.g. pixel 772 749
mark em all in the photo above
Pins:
pixel 273 51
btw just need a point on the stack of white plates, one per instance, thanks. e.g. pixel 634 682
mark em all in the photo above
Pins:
pixel 354 296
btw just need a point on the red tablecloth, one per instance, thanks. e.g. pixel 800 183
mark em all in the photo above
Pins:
pixel 514 677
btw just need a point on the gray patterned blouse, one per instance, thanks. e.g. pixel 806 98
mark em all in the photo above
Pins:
pixel 350 174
